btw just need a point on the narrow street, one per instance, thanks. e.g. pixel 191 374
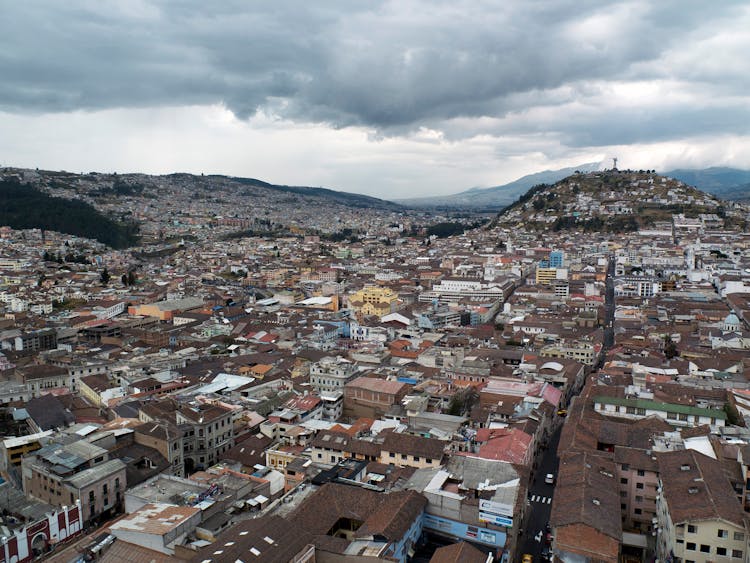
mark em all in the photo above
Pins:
pixel 539 502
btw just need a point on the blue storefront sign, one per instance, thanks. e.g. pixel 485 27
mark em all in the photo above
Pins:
pixel 494 538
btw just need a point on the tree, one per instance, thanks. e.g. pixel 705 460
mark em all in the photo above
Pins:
pixel 124 279
pixel 131 277
pixel 670 348
pixel 104 277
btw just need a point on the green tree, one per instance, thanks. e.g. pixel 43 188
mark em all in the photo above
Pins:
pixel 104 277
pixel 670 348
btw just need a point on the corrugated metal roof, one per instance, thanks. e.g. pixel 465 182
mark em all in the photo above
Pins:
pixel 96 473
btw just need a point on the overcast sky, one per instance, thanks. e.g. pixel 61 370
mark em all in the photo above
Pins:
pixel 392 99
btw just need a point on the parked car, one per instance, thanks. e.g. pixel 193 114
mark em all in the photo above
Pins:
pixel 550 479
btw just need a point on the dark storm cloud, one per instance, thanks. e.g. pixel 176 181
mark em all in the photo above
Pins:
pixel 393 66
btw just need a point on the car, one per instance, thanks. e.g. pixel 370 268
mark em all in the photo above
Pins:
pixel 546 554
pixel 550 479
pixel 562 412
pixel 548 537
pixel 527 558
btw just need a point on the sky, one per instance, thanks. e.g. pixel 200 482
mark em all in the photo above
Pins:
pixel 391 99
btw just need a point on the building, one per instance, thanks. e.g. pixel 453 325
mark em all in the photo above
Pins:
pixel 35 538
pixel 210 433
pixel 383 525
pixel 13 450
pixel 63 474
pixel 370 397
pixel 373 300
pixel 408 450
pixel 157 526
pixel 36 340
pixel 699 516
pixel 267 539
pixel 328 377
pixel 585 516
pixel 675 414
pixel 473 499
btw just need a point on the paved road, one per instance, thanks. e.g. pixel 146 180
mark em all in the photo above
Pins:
pixel 540 501
pixel 609 307
pixel 540 493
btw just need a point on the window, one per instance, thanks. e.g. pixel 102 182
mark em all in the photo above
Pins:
pixel 625 467
pixel 416 458
pixel 641 473
pixel 721 551
pixel 690 546
pixel 639 485
pixel 692 529
pixel 391 454
pixel 640 411
pixel 624 481
pixel 623 507
pixel 638 499
pixel 624 494
pixel 638 511
pixel 705 548
pixel 403 456
pixel 428 460
pixel 739 536
pixel 722 534
pixel 737 553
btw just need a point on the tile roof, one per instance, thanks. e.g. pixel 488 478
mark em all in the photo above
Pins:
pixel 414 445
pixel 587 493
pixel 461 552
pixel 696 488
pixel 388 515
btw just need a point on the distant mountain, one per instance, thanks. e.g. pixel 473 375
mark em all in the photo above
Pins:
pixel 499 196
pixel 618 201
pixel 726 183
pixel 344 198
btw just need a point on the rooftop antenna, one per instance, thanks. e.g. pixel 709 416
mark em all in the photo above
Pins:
pixel 614 163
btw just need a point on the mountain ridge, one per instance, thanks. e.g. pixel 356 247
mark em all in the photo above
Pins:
pixel 619 201
pixel 724 182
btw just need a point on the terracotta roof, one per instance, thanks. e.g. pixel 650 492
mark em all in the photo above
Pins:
pixel 414 445
pixel 587 493
pixel 375 384
pixel 461 552
pixel 272 537
pixel 696 488
pixel 389 515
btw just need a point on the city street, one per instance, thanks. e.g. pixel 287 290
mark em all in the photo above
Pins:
pixel 540 502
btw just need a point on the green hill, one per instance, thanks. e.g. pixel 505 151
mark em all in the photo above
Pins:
pixel 25 207
pixel 617 201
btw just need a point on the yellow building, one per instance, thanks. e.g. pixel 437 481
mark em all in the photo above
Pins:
pixel 373 300
pixel 545 276
pixel 13 449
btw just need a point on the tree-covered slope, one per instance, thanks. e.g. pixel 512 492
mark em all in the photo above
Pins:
pixel 25 207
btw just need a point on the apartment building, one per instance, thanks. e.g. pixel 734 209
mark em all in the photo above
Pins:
pixel 63 474
pixel 699 517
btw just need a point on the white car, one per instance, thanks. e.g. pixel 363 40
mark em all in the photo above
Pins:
pixel 550 479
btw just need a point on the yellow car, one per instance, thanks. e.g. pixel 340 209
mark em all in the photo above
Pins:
pixel 527 558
